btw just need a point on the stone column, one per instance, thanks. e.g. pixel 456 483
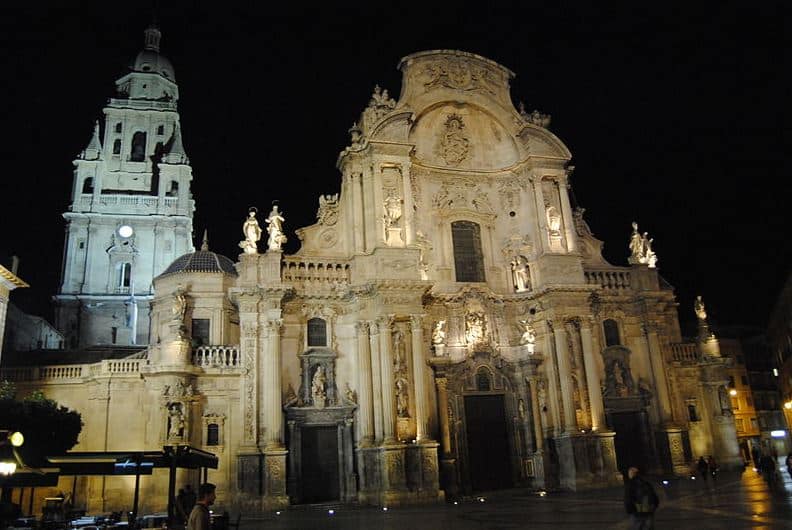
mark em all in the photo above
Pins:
pixel 566 210
pixel 552 399
pixel 386 369
pixel 537 415
pixel 658 371
pixel 419 379
pixel 273 427
pixel 447 460
pixel 358 220
pixel 365 397
pixel 564 376
pixel 592 378
pixel 536 182
pixel 376 381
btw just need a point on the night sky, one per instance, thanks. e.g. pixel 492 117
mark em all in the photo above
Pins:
pixel 677 119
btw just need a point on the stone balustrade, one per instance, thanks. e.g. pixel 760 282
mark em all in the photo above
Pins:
pixel 143 204
pixel 315 271
pixel 685 353
pixel 72 372
pixel 611 279
pixel 217 357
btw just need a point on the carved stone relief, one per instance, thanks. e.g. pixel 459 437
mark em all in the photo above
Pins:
pixel 459 73
pixel 454 142
pixel 327 214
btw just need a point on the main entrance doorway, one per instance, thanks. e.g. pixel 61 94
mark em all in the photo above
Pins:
pixel 487 442
pixel 633 443
pixel 319 480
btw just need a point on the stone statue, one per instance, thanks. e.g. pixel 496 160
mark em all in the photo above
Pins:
pixel 554 221
pixel 521 409
pixel 275 229
pixel 528 337
pixel 351 395
pixel 318 388
pixel 454 142
pixel 393 210
pixel 175 421
pixel 252 232
pixel 424 246
pixel 650 258
pixel 520 277
pixel 439 334
pixel 179 304
pixel 725 402
pixel 636 245
pixel 398 349
pixel 698 307
pixel 402 398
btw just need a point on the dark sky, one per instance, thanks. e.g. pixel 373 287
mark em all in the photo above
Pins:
pixel 676 118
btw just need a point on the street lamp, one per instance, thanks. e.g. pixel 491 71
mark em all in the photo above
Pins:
pixel 9 459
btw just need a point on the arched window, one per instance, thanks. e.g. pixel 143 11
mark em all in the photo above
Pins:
pixel 138 151
pixel 483 382
pixel 88 185
pixel 118 127
pixel 124 275
pixel 174 189
pixel 611 332
pixel 213 434
pixel 317 332
pixel 161 130
pixel 468 258
pixel 117 147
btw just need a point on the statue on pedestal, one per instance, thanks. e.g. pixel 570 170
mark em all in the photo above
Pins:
pixel 520 278
pixel 700 310
pixel 175 421
pixel 275 229
pixel 252 232
pixel 528 338
pixel 636 245
pixel 318 388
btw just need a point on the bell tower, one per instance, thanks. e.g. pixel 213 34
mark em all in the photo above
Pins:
pixel 131 209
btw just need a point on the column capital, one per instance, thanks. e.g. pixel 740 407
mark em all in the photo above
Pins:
pixel 384 322
pixel 362 327
pixel 416 320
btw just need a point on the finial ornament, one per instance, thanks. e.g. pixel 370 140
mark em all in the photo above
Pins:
pixel 205 242
pixel 700 310
pixel 252 232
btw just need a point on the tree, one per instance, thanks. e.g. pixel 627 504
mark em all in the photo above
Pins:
pixel 49 429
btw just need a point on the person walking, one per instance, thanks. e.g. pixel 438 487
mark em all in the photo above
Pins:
pixel 712 467
pixel 789 464
pixel 199 516
pixel 640 501
pixel 703 469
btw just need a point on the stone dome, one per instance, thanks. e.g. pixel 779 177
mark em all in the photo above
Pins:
pixel 201 261
pixel 152 61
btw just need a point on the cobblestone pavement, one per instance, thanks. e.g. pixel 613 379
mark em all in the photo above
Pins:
pixel 736 500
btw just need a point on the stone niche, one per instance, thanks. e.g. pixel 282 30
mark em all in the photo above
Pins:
pixel 320 435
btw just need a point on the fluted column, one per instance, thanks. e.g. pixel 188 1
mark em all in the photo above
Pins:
pixel 386 369
pixel 540 212
pixel 569 222
pixel 365 398
pixel 273 437
pixel 553 396
pixel 658 371
pixel 419 379
pixel 358 221
pixel 564 375
pixel 376 381
pixel 592 378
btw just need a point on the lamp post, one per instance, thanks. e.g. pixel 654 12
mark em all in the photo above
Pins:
pixel 9 459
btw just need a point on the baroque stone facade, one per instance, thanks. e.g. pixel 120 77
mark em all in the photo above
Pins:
pixel 448 326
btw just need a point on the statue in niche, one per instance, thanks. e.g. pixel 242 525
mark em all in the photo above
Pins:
pixel 475 328
pixel 541 395
pixel 528 338
pixel 275 229
pixel 700 310
pixel 393 209
pixel 402 397
pixel 520 277
pixel 252 232
pixel 618 380
pixel 175 421
pixel 318 388
pixel 398 349
pixel 179 304
pixel 554 221
pixel 521 409
pixel 439 334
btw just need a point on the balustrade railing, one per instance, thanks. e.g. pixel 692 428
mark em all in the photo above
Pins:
pixel 302 270
pixel 608 278
pixel 685 352
pixel 65 372
pixel 217 357
pixel 73 371
pixel 140 203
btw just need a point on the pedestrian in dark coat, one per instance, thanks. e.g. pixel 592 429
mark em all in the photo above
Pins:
pixel 703 469
pixel 640 501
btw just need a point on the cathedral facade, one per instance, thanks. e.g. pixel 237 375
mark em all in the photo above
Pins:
pixel 449 324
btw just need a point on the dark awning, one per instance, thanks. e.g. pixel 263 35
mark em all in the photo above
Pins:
pixel 30 478
pixel 132 462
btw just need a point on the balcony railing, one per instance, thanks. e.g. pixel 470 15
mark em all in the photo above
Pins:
pixel 611 279
pixel 685 352
pixel 139 204
pixel 217 357
pixel 315 272
pixel 72 372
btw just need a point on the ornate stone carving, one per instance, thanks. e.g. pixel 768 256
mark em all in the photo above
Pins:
pixel 521 278
pixel 327 214
pixel 252 232
pixel 458 73
pixel 454 144
pixel 439 333
pixel 475 327
pixel 528 337
pixel 275 229
pixel 318 388
pixel 176 421
pixel 536 118
pixel 481 201
pixel 509 193
pixel 641 248
pixel 379 106
pixel 328 238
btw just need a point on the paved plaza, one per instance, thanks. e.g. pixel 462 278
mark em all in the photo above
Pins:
pixel 738 500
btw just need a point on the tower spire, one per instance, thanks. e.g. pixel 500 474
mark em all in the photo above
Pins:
pixel 94 149
pixel 152 38
pixel 205 243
